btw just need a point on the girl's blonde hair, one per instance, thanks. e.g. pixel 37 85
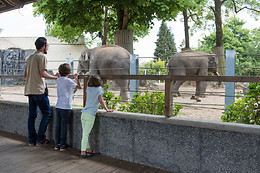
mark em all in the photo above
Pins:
pixel 94 81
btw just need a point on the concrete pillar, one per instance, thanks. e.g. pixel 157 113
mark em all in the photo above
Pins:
pixel 230 71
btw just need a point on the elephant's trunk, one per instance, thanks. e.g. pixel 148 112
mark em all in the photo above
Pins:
pixel 217 74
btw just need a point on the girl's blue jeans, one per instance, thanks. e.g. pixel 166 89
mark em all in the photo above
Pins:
pixel 43 103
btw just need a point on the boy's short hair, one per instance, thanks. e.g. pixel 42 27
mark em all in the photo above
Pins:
pixel 40 42
pixel 64 69
pixel 94 81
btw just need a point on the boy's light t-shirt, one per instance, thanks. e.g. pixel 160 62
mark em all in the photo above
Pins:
pixel 92 103
pixel 65 91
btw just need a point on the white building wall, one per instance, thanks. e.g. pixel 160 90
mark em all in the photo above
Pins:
pixel 57 53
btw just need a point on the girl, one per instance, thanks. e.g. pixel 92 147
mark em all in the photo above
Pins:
pixel 94 97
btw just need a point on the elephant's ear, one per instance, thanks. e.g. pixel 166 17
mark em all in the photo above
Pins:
pixel 83 64
pixel 213 61
pixel 84 56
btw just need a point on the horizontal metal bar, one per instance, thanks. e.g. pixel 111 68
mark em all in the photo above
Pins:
pixel 165 77
pixel 186 78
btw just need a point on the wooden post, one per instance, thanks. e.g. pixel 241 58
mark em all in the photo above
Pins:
pixel 168 106
pixel 84 91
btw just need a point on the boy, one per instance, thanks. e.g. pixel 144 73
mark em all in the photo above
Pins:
pixel 65 90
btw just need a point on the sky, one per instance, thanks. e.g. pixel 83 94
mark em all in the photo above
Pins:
pixel 22 23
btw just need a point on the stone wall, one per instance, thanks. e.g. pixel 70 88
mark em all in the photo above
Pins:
pixel 173 144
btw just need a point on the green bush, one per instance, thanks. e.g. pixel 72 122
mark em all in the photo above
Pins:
pixel 110 99
pixel 142 102
pixel 147 103
pixel 245 110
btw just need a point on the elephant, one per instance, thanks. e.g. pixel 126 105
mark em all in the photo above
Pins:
pixel 192 63
pixel 107 60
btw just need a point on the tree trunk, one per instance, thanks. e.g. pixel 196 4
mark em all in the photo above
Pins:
pixel 125 19
pixel 218 23
pixel 124 38
pixel 219 51
pixel 219 48
pixel 186 29
pixel 120 16
pixel 104 37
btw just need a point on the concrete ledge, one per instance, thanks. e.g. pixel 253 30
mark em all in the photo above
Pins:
pixel 174 144
pixel 235 127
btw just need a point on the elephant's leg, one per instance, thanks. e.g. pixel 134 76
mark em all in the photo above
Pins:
pixel 176 86
pixel 201 88
pixel 201 85
pixel 124 86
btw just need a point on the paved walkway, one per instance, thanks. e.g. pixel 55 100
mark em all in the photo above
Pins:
pixel 17 157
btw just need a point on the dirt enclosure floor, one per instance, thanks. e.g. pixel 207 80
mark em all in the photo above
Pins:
pixel 210 108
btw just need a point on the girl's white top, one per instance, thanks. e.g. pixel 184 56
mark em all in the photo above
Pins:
pixel 92 102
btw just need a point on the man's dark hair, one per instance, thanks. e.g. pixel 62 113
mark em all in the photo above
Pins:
pixel 94 81
pixel 40 42
pixel 64 69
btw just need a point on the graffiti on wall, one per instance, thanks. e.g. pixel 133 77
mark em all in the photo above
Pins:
pixel 12 62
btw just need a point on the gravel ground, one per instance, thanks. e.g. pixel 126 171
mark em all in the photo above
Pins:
pixel 210 108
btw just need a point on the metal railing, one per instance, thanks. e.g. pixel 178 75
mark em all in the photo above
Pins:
pixel 168 80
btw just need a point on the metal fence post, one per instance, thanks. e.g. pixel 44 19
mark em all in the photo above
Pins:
pixel 134 69
pixel 168 98
pixel 230 71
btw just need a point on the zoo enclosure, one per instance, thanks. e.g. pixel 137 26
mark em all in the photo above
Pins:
pixel 229 87
pixel 166 78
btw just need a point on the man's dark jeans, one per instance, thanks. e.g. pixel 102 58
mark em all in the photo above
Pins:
pixel 62 121
pixel 43 103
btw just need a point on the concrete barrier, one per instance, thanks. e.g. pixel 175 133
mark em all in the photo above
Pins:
pixel 173 144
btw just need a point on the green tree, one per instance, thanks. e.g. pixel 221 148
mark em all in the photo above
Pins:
pixel 192 12
pixel 244 41
pixel 234 37
pixel 254 46
pixel 153 68
pixel 252 6
pixel 217 8
pixel 165 45
pixel 86 16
